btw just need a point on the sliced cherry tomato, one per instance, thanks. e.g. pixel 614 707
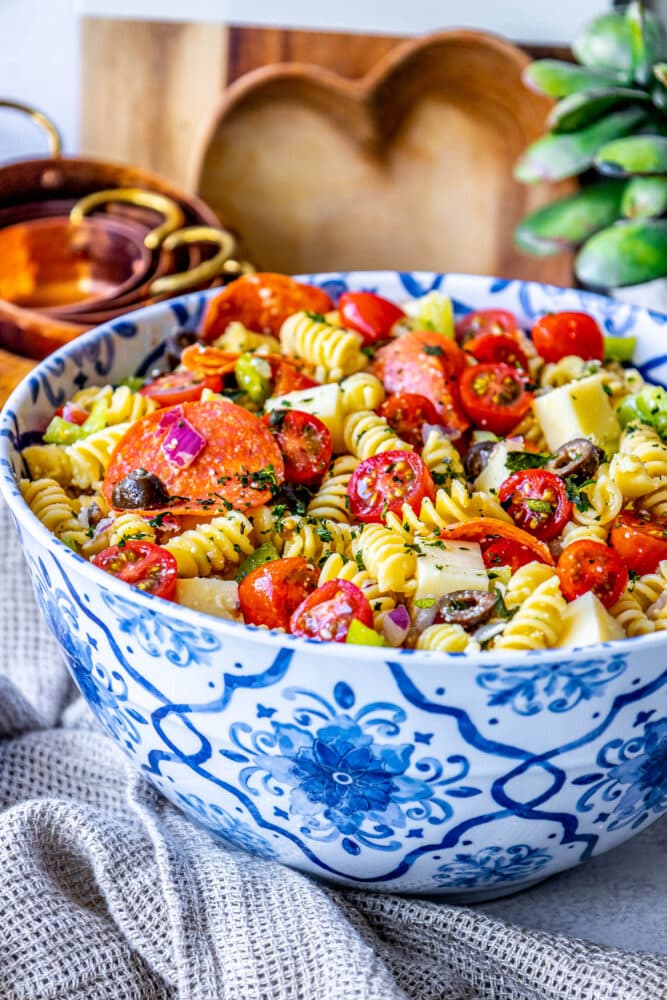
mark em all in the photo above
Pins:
pixel 558 334
pixel 406 413
pixel 427 363
pixel 327 612
pixel 589 565
pixel 240 463
pixel 262 302
pixel 488 529
pixel 505 552
pixel 640 539
pixel 495 397
pixel 497 347
pixel 287 377
pixel 305 442
pixel 180 387
pixel 368 314
pixel 143 564
pixel 536 500
pixel 271 593
pixel 384 482
pixel 72 413
pixel 208 360
pixel 480 321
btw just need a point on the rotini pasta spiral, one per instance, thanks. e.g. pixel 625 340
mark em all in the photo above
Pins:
pixel 631 476
pixel 362 391
pixel 447 639
pixel 630 615
pixel 531 431
pixel 131 526
pixel 643 443
pixel 49 502
pixel 567 369
pixel 649 587
pixel 331 500
pixel 655 502
pixel 441 457
pixel 238 339
pixel 605 498
pixel 538 621
pixel 331 350
pixel 525 581
pixel 312 537
pixel 336 567
pixel 384 554
pixel 366 434
pixel 450 506
pixel 210 548
pixel 573 532
pixel 123 405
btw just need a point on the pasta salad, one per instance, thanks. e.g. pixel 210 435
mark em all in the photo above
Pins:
pixel 377 473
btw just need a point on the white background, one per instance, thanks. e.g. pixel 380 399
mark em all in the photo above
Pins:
pixel 39 41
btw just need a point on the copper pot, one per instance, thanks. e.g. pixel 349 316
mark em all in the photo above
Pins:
pixel 70 271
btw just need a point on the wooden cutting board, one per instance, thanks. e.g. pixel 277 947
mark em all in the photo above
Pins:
pixel 409 167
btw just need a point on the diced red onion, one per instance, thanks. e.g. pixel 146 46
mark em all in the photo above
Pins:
pixel 183 442
pixel 395 625
pixel 102 525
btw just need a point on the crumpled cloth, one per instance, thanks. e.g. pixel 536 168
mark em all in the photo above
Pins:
pixel 107 891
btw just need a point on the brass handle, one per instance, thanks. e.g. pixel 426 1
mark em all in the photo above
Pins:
pixel 55 143
pixel 167 207
pixel 221 263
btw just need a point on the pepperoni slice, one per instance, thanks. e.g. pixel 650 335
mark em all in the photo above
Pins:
pixel 239 464
pixel 261 302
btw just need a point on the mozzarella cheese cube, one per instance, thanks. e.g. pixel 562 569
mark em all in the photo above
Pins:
pixel 579 409
pixel 323 401
pixel 213 596
pixel 496 472
pixel 586 620
pixel 448 566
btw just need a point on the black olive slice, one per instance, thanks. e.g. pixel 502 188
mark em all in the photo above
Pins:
pixel 468 608
pixel 579 458
pixel 139 490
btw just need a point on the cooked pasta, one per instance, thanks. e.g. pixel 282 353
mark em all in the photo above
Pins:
pixel 447 639
pixel 243 495
pixel 331 500
pixel 211 548
pixel 362 391
pixel 332 351
pixel 366 434
pixel 538 621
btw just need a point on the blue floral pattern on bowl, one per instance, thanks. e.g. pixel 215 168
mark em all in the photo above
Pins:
pixel 426 772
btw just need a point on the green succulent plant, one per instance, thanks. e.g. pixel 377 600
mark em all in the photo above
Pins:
pixel 609 128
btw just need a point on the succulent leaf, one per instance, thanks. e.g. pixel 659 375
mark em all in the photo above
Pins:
pixel 635 155
pixel 580 109
pixel 606 43
pixel 627 253
pixel 556 156
pixel 644 197
pixel 566 223
pixel 660 73
pixel 647 39
pixel 558 79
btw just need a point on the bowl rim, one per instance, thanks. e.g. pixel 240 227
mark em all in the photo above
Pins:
pixel 231 629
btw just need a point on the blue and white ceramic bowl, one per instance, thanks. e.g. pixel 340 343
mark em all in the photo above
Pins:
pixel 460 775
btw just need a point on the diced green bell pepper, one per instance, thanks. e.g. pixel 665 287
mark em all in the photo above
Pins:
pixel 253 375
pixel 60 431
pixel 619 348
pixel 362 635
pixel 266 552
pixel 647 407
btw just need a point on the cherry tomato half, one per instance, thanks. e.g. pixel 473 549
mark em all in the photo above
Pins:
pixel 536 501
pixel 368 314
pixel 558 334
pixel 269 594
pixel 495 397
pixel 384 482
pixel 497 347
pixel 262 302
pixel 427 363
pixel 589 565
pixel 143 564
pixel 305 442
pixel 326 614
pixel 406 413
pixel 481 321
pixel 180 387
pixel 505 552
pixel 287 377
pixel 640 539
